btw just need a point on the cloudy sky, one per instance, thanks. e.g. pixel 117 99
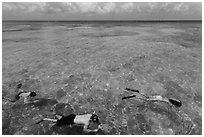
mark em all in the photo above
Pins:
pixel 101 11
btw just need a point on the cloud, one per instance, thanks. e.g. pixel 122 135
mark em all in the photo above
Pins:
pixel 182 8
pixel 79 7
pixel 8 6
pixel 85 7
pixel 109 7
pixel 94 7
pixel 22 6
pixel 102 8
pixel 127 6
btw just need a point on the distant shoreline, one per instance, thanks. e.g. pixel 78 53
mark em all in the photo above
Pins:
pixel 103 21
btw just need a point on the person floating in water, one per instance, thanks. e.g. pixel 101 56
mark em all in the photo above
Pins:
pixel 26 95
pixel 171 101
pixel 72 119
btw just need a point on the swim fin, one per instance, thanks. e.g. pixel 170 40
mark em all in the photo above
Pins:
pixel 19 85
pixel 38 122
pixel 175 102
pixel 133 90
pixel 127 97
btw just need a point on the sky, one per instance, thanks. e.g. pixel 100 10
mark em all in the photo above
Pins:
pixel 102 11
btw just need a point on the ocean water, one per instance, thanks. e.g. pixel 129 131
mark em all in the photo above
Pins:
pixel 26 31
pixel 37 25
pixel 82 66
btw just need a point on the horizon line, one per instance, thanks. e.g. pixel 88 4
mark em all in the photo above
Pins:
pixel 110 20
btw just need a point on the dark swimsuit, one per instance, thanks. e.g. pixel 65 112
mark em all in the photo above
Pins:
pixel 66 120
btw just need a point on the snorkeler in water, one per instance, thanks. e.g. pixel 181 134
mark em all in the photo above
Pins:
pixel 72 119
pixel 26 95
pixel 171 101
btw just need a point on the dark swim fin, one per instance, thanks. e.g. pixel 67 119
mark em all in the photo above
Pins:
pixel 133 90
pixel 175 102
pixel 38 122
pixel 19 85
pixel 127 97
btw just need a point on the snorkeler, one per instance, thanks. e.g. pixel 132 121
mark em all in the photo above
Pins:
pixel 26 95
pixel 23 94
pixel 72 119
pixel 171 101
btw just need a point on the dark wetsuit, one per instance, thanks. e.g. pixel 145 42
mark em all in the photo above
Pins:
pixel 66 120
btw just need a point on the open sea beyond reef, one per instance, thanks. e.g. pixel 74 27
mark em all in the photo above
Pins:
pixel 84 66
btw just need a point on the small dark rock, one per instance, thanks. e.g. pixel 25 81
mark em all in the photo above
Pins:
pixel 124 131
pixel 128 65
pixel 5 120
pixel 85 76
pixel 43 102
pixel 113 131
pixel 60 93
pixel 63 109
pixel 198 99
